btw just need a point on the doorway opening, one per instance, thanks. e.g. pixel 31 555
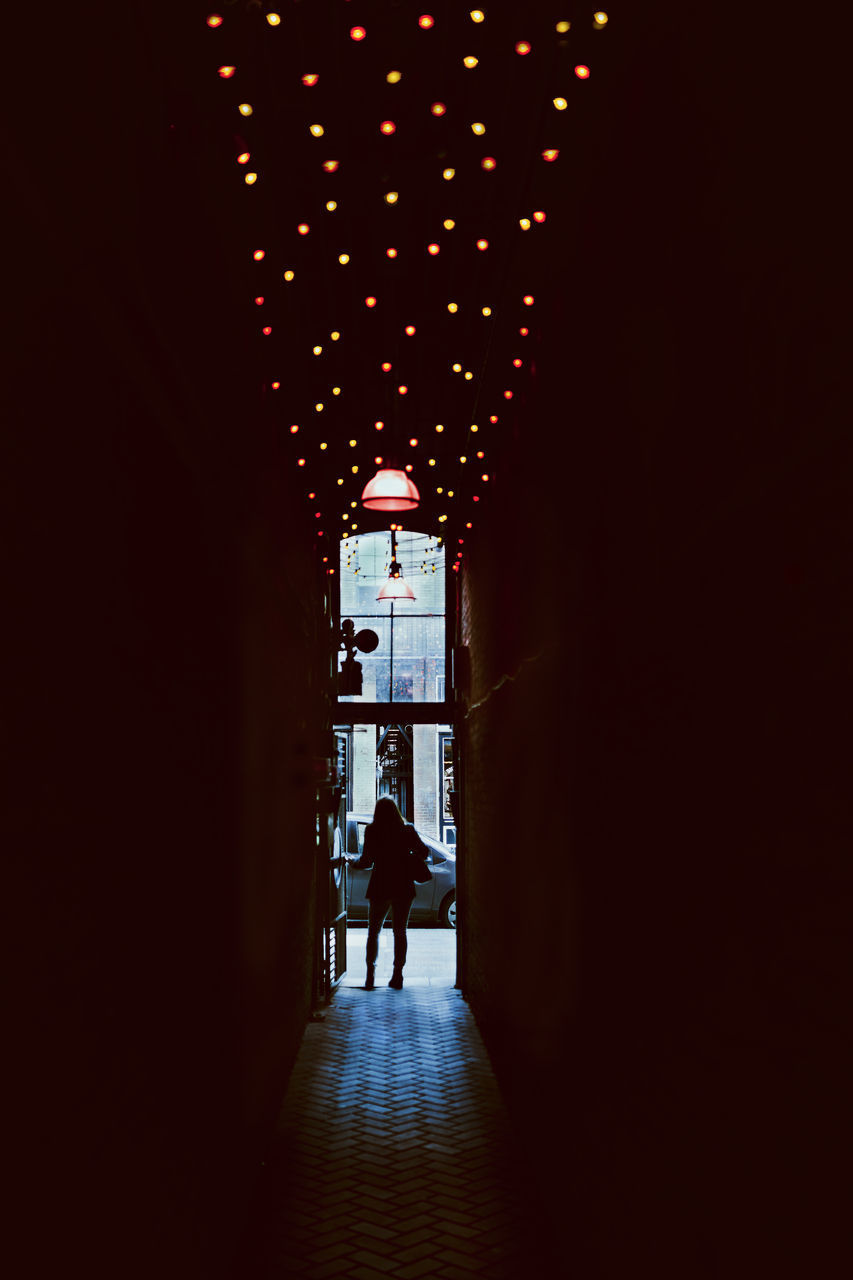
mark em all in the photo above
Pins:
pixel 413 764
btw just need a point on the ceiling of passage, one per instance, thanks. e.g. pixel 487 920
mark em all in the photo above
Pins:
pixel 406 179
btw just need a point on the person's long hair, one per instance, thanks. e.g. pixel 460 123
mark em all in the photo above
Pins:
pixel 386 815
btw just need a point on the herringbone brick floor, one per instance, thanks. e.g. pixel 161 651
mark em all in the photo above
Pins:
pixel 392 1158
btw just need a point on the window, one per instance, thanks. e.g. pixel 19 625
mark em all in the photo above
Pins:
pixel 409 663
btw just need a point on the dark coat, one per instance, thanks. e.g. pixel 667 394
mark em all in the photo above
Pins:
pixel 387 850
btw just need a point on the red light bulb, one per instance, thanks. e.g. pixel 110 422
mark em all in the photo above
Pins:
pixel 259 301
pixel 410 330
pixel 539 215
pixel 522 47
pixel 425 21
pixel 438 108
pixel 482 245
pixel 303 228
pixel 387 127
pixel 226 72
pixel 357 33
pixel 433 249
pixel 550 154
pixel 582 72
pixel 370 302
pixel 310 79
pixel 267 330
pixel 391 253
pixel 488 163
pixel 259 255
pixel 215 20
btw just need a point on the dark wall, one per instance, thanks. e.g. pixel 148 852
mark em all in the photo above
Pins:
pixel 161 691
pixel 656 805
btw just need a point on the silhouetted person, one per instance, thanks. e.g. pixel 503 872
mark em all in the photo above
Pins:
pixel 389 842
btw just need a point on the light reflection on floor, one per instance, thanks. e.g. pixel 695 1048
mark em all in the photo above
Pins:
pixel 431 960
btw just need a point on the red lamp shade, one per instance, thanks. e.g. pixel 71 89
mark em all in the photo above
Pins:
pixel 390 490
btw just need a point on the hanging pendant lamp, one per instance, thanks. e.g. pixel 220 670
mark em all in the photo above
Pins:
pixel 390 490
pixel 395 587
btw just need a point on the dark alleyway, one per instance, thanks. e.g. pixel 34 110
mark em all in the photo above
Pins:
pixel 648 674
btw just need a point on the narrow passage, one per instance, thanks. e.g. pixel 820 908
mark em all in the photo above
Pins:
pixel 392 1155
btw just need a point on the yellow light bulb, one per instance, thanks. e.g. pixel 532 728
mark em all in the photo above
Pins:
pixel 478 128
pixel 600 18
pixel 319 408
pixel 340 480
pixel 524 223
pixel 462 457
pixel 439 427
pixel 317 350
pixel 336 391
pixel 487 311
pixel 251 179
pixel 245 108
pixel 273 19
pixel 449 224
pixel 353 443
pixel 391 197
pixel 563 27
pixel 477 15
pixel 343 258
pixel 560 104
pixel 448 174
pixel 474 427
pixel 288 275
pixel 324 445
pixel 431 461
pixel 457 368
pixel 317 130
pixel 468 375
pixel 394 77
pixel 331 205
pixel 334 335
pixel 453 307
pixel 470 61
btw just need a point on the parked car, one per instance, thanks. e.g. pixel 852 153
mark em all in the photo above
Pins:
pixel 435 901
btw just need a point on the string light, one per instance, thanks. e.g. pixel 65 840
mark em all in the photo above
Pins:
pixel 487 311
pixel 477 15
pixel 259 255
pixel 273 19
pixel 452 307
pixel 226 72
pixel 390 253
pixel 410 330
pixel 244 157
pixel 303 228
pixel 259 301
pixel 539 215
pixel 433 249
pixel 317 130
pixel 522 47
pixel 357 33
pixel 387 127
pixel 524 331
pixel 309 79
pixel 560 103
pixel 331 205
pixel 275 385
pixel 370 301
pixel 470 61
pixel 449 224
pixel 524 223
pixel 267 330
pixel 250 179
pixel 394 77
pixel 391 197
pixel 582 72
pixel 331 166
pixel 334 335
pixel 214 20
pixel 488 163
pixel 600 18
pixel 425 21
pixel 482 245
pixel 448 174
pixel 343 258
pixel 478 127
pixel 288 275
pixel 563 27
pixel 245 108
pixel 438 109
pixel 528 299
pixel 439 426
pixel 550 154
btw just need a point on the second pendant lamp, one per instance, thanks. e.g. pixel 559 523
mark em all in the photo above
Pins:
pixel 395 586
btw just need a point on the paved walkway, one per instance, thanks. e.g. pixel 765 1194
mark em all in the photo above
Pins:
pixel 392 1156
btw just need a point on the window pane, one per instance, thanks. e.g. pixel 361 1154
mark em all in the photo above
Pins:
pixel 409 664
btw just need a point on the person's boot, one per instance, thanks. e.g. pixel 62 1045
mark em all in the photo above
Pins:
pixel 396 979
pixel 369 983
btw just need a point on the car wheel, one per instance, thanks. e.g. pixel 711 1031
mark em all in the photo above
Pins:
pixel 447 912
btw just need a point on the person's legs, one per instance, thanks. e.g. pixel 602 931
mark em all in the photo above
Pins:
pixel 399 919
pixel 377 911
